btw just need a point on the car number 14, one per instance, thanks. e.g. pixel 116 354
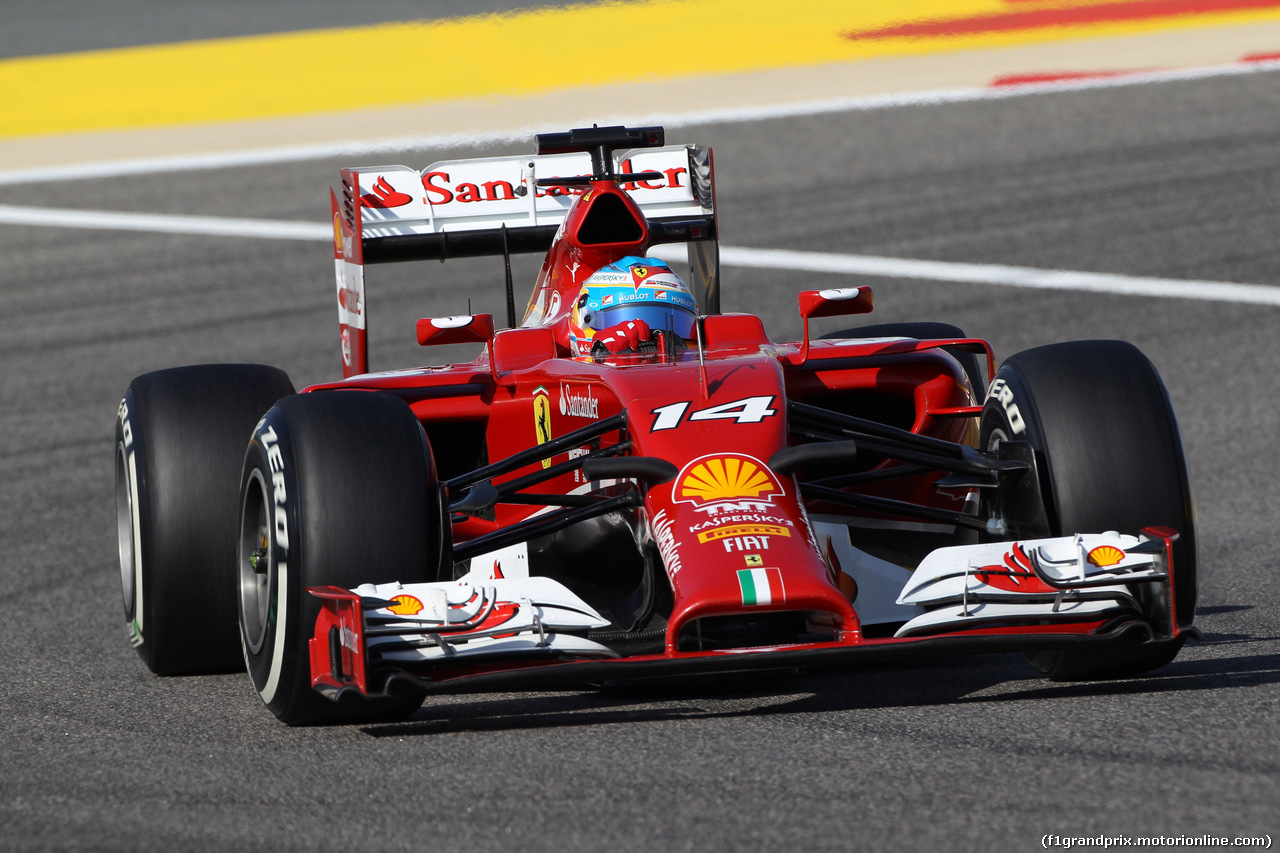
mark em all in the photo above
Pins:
pixel 748 410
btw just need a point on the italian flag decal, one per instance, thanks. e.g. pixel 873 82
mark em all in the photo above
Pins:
pixel 760 586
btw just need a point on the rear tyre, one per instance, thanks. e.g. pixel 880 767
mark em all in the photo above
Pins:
pixel 180 437
pixel 1109 455
pixel 975 366
pixel 338 488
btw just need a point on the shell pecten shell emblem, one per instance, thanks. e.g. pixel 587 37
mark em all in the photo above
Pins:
pixel 1106 555
pixel 406 605
pixel 726 477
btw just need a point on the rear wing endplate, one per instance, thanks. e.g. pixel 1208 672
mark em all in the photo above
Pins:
pixel 494 206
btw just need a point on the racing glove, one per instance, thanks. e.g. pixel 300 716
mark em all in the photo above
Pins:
pixel 622 338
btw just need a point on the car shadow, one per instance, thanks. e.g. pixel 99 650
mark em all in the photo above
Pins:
pixel 957 682
pixel 1218 609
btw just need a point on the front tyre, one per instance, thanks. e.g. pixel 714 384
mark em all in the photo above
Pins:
pixel 338 488
pixel 1109 455
pixel 180 436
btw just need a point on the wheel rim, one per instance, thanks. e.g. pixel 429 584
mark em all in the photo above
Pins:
pixel 255 584
pixel 125 527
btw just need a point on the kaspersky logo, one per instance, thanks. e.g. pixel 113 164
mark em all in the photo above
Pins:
pixel 726 481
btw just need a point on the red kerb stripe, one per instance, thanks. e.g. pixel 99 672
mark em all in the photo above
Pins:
pixel 1032 19
pixel 1061 77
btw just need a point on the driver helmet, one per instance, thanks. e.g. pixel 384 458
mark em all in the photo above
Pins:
pixel 632 288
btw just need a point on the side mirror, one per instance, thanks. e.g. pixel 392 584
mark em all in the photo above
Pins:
pixel 463 329
pixel 835 302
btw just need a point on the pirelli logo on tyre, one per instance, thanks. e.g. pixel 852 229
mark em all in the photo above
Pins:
pixel 1003 394
pixel 275 459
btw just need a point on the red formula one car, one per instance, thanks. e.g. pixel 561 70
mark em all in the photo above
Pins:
pixel 629 483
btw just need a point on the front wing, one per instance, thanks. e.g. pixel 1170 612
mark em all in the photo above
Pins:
pixel 1027 595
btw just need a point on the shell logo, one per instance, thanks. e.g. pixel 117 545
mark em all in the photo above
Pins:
pixel 337 233
pixel 406 605
pixel 725 477
pixel 1106 555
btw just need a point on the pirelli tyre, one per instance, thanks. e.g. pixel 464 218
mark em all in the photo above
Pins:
pixel 180 439
pixel 1109 456
pixel 338 488
pixel 975 366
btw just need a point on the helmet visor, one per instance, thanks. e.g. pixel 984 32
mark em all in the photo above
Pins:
pixel 666 317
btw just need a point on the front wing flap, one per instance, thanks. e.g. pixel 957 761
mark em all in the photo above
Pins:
pixel 375 626
pixel 1065 579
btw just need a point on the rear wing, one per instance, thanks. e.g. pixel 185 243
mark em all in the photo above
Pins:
pixel 495 206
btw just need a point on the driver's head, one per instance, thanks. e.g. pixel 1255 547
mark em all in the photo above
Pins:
pixel 631 289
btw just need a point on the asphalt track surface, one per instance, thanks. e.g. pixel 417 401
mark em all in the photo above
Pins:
pixel 40 27
pixel 1177 180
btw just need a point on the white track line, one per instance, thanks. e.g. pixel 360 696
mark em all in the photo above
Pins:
pixel 291 153
pixel 214 226
pixel 999 274
pixel 781 259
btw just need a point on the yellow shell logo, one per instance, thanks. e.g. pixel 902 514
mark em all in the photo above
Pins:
pixel 406 605
pixel 725 478
pixel 337 233
pixel 1105 555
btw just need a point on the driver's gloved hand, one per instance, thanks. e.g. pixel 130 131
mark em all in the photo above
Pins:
pixel 624 337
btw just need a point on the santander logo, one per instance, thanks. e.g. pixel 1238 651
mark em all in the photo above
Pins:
pixel 582 405
pixel 443 188
pixel 349 300
pixel 384 195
